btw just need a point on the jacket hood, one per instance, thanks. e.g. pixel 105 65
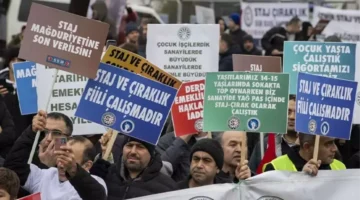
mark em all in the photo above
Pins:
pixel 101 10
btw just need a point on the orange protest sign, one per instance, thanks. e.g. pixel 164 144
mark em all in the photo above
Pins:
pixel 132 62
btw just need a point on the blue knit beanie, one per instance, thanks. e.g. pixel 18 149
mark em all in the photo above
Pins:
pixel 235 17
pixel 130 27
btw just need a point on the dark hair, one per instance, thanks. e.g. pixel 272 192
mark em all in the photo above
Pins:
pixel 89 151
pixel 227 39
pixel 130 47
pixel 217 20
pixel 292 97
pixel 294 20
pixel 66 119
pixel 9 182
pixel 10 54
pixel 306 138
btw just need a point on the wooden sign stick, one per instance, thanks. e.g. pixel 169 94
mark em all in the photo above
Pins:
pixel 243 148
pixel 316 147
pixel 110 144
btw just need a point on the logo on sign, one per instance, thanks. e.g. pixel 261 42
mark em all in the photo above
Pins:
pixel 325 128
pixel 312 126
pixel 184 33
pixel 58 61
pixel 253 124
pixel 248 16
pixel 108 119
pixel 358 98
pixel 127 126
pixel 233 123
pixel 201 198
pixel 199 125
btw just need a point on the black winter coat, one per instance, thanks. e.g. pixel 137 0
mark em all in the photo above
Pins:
pixel 226 61
pixel 7 136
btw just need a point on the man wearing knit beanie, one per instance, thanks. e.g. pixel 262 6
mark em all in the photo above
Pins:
pixel 132 33
pixel 235 31
pixel 207 158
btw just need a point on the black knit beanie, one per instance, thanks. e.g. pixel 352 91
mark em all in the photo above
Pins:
pixel 211 147
pixel 149 147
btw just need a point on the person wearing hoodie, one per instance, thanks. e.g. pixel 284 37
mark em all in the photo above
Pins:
pixel 236 32
pixel 248 48
pixel 136 172
pixel 100 12
pixel 226 50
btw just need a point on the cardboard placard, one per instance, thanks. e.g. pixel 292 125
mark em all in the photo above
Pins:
pixel 126 102
pixel 256 63
pixel 134 63
pixel 325 106
pixel 187 110
pixel 63 40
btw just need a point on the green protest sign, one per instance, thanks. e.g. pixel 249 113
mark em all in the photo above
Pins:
pixel 242 101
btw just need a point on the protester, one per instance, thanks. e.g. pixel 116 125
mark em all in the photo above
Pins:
pixel 9 184
pixel 227 49
pixel 70 180
pixel 130 17
pixel 273 40
pixel 7 133
pixel 236 32
pixel 301 158
pixel 231 143
pixel 248 48
pixel 306 33
pixel 16 39
pixel 130 47
pixel 136 172
pixel 100 12
pixel 143 36
pixel 222 24
pixel 283 142
pixel 132 33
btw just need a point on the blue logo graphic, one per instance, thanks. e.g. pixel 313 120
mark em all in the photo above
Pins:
pixel 253 124
pixel 312 126
pixel 127 126
pixel 58 61
pixel 325 128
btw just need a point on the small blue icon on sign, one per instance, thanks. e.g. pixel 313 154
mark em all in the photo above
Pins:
pixel 325 128
pixel 253 124
pixel 127 126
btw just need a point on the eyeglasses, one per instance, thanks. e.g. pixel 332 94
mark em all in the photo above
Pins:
pixel 54 133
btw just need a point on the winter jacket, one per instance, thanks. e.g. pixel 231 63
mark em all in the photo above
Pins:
pixel 7 136
pixel 32 178
pixel 226 61
pixel 274 39
pixel 120 186
pixel 238 36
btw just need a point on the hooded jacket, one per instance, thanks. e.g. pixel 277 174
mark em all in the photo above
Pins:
pixel 226 61
pixel 102 15
pixel 120 186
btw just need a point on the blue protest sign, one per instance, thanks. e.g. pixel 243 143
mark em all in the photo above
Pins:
pixel 325 106
pixel 331 59
pixel 25 77
pixel 126 102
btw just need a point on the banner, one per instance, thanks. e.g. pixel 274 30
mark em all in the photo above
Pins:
pixel 25 79
pixel 258 18
pixel 205 15
pixel 132 62
pixel 246 101
pixel 276 185
pixel 332 59
pixel 126 102
pixel 187 110
pixel 63 40
pixel 343 23
pixel 65 97
pixel 256 63
pixel 324 106
pixel 186 51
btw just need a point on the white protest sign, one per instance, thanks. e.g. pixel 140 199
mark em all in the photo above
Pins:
pixel 204 15
pixel 343 23
pixel 356 117
pixel 186 51
pixel 65 97
pixel 258 18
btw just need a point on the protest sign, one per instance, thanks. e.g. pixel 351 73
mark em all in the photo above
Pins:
pixel 246 101
pixel 65 97
pixel 63 40
pixel 258 18
pixel 256 63
pixel 204 15
pixel 132 62
pixel 36 196
pixel 126 102
pixel 186 51
pixel 187 110
pixel 25 79
pixel 332 59
pixel 324 106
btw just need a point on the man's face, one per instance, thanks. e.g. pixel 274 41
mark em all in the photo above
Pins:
pixel 223 47
pixel 231 144
pixel 295 28
pixel 4 195
pixel 327 150
pixel 248 45
pixel 133 36
pixel 135 156
pixel 55 129
pixel 231 24
pixel 291 115
pixel 203 168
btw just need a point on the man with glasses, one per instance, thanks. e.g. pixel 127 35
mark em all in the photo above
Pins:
pixel 70 179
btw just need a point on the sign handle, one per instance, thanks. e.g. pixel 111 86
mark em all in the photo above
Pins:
pixel 262 146
pixel 316 147
pixel 209 135
pixel 110 144
pixel 243 148
pixel 38 133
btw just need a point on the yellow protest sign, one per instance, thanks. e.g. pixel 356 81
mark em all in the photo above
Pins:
pixel 132 62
